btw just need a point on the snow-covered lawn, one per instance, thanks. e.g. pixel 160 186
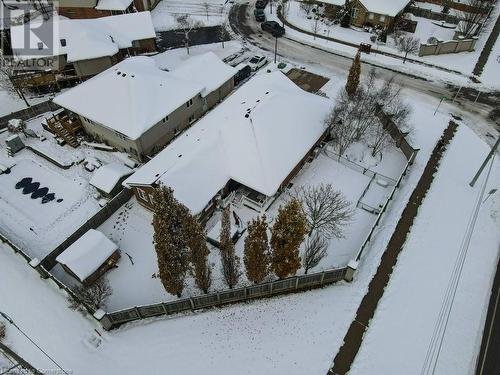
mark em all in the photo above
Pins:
pixel 403 324
pixel 39 227
pixel 203 12
pixel 171 59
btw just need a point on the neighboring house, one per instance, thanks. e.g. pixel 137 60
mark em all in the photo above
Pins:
pixel 108 178
pixel 89 257
pixel 138 108
pixel 253 143
pixel 82 9
pixel 376 12
pixel 212 73
pixel 88 47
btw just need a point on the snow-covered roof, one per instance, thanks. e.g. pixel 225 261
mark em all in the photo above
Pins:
pixel 129 97
pixel 206 69
pixel 334 2
pixel 91 38
pixel 113 4
pixel 387 7
pixel 256 137
pixel 109 175
pixel 87 253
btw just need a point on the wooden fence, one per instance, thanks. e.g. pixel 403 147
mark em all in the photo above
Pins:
pixel 289 285
pixel 436 16
pixel 30 112
pixel 95 221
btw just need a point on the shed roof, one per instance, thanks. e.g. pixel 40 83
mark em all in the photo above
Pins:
pixel 109 175
pixel 87 254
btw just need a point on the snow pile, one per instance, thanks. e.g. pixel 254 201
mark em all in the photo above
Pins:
pixel 83 39
pixel 107 176
pixel 113 5
pixel 87 254
pixel 129 97
pixel 255 137
pixel 206 69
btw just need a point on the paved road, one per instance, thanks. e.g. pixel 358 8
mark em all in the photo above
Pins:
pixel 242 22
pixel 489 358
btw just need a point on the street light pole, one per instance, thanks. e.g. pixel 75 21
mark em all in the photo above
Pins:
pixel 9 319
pixel 275 47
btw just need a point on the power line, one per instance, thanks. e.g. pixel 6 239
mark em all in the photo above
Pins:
pixel 436 343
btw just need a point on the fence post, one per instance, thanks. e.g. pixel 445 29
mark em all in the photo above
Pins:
pixel 192 302
pixel 322 278
pixel 352 266
pixel 138 312
pixel 296 282
pixel 106 322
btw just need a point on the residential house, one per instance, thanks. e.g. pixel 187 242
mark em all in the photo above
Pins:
pixel 380 13
pixel 84 48
pixel 250 146
pixel 82 9
pixel 138 108
pixel 212 73
pixel 89 257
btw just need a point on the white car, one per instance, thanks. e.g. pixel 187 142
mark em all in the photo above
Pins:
pixel 257 62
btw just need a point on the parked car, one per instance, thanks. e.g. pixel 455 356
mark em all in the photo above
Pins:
pixel 244 71
pixel 259 14
pixel 273 27
pixel 261 4
pixel 257 62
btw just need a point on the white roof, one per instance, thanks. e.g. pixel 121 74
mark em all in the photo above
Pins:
pixel 387 7
pixel 206 69
pixel 334 2
pixel 109 175
pixel 91 38
pixel 129 97
pixel 87 253
pixel 256 137
pixel 113 4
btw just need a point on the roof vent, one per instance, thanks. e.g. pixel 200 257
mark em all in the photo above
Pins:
pixel 124 75
pixel 180 156
pixel 247 115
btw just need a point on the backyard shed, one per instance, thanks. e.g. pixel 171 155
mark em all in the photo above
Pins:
pixel 89 257
pixel 108 178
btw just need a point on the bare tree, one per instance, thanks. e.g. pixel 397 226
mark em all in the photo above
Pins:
pixel 473 19
pixel 327 210
pixel 206 7
pixel 7 85
pixel 306 5
pixel 224 33
pixel 315 249
pixel 94 296
pixel 408 44
pixel 187 25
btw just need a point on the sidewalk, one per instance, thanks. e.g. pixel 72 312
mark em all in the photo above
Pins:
pixel 354 337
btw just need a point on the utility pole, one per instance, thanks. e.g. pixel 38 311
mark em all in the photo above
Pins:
pixel 490 155
pixel 275 47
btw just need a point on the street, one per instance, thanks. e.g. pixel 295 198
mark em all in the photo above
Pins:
pixel 243 24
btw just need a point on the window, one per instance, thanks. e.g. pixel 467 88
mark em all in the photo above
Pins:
pixel 371 16
pixel 382 18
pixel 63 42
pixel 189 103
pixel 354 13
pixel 142 194
pixel 164 120
pixel 40 46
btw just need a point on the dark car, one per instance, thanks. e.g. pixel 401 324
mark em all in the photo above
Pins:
pixel 273 27
pixel 244 72
pixel 259 14
pixel 261 4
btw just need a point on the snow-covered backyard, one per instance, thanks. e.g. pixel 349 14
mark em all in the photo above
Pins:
pixel 200 12
pixel 31 224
